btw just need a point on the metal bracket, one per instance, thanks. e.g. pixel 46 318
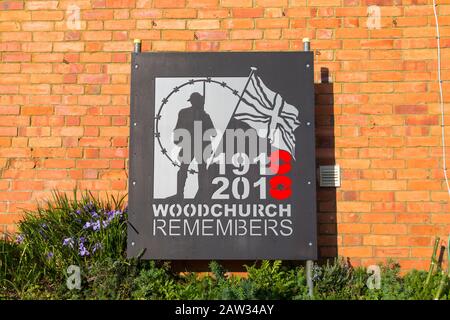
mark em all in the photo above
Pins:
pixel 137 45
pixel 309 281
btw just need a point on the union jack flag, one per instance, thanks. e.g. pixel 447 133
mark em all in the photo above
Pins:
pixel 268 113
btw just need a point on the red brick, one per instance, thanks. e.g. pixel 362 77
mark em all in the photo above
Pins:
pixel 236 3
pixel 45 142
pixel 40 5
pixel 412 196
pixel 114 153
pixel 389 229
pixel 272 23
pixel 59 164
pixel 239 45
pixel 14 196
pixel 178 13
pixel 16 57
pixel 356 251
pixel 248 12
pixel 392 253
pixel 246 34
pixel 210 35
pixel 411 109
pixel 376 196
pixel 422 120
pixel 93 78
pixel 100 164
pixel 120 3
pixel 430 230
pixel 177 35
pixel 36 110
pixel 12 5
pixel 8 132
pixel 169 3
pixel 35 89
pixel 271 45
pixel 379 240
pixel 212 13
pixel 169 24
pixel 353 228
pixel 377 218
pixel 203 24
pixel 26 185
pixel 67 131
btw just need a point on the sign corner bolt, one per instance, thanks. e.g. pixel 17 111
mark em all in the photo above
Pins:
pixel 306 44
pixel 137 45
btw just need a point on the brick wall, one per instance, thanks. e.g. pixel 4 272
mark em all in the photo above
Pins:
pixel 64 103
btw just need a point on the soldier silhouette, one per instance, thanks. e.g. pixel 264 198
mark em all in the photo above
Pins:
pixel 188 119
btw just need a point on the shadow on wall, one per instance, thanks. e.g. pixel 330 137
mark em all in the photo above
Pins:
pixel 325 155
pixel 326 197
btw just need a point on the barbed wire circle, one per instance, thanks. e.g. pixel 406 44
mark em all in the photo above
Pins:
pixel 164 102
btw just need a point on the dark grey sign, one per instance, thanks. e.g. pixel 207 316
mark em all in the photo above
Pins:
pixel 222 156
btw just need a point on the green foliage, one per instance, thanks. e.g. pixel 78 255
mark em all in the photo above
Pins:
pixel 273 281
pixel 91 234
pixel 339 281
pixel 392 286
pixel 63 232
pixel 155 283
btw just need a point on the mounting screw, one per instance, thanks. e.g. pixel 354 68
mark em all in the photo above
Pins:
pixel 307 65
pixel 308 123
pixel 309 182
pixel 136 66
pixel 134 124
pixel 134 183
pixel 133 243
pixel 310 244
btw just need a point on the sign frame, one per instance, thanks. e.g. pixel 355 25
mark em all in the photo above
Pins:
pixel 291 75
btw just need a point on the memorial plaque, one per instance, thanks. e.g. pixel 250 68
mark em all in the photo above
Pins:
pixel 222 156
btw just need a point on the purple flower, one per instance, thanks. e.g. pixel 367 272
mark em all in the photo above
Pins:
pixel 88 207
pixel 49 255
pixel 94 215
pixel 42 233
pixel 20 238
pixel 96 247
pixel 82 250
pixel 96 226
pixel 69 242
pixel 44 226
pixel 87 225
pixel 110 213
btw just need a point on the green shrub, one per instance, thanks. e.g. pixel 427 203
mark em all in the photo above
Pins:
pixel 155 283
pixel 91 234
pixel 273 281
pixel 338 280
pixel 61 233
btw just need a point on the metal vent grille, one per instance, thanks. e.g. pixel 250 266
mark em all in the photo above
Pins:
pixel 330 176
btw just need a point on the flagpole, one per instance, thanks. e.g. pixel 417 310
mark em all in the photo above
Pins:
pixel 204 93
pixel 252 71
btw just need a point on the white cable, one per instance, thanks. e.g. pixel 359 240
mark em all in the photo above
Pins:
pixel 441 96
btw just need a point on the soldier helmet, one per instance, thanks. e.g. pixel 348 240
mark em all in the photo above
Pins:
pixel 196 98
